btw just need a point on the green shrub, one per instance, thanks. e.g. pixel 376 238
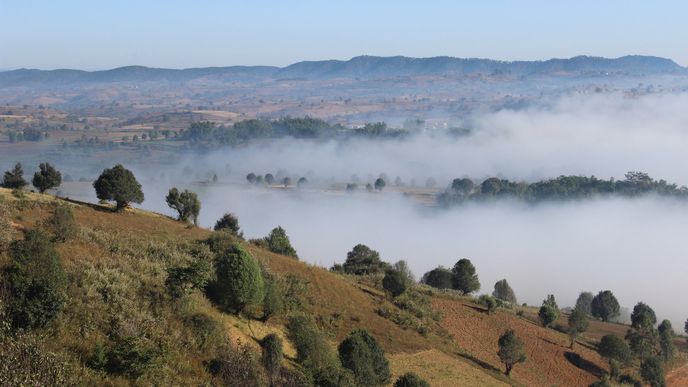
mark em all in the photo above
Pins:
pixel 272 355
pixel 312 349
pixel 439 278
pixel 278 242
pixel 362 354
pixel 132 357
pixel 464 277
pixel 183 279
pixel 239 281
pixel 14 179
pixel 35 281
pixel 334 376
pixel 549 311
pixel 207 332
pixel 511 351
pixel 362 260
pixel 395 282
pixel 99 357
pixel 236 367
pixel 186 204
pixel 410 379
pixel 46 178
pixel 62 223
pixel 489 302
pixel 614 347
pixel 273 302
pixel 230 223
pixel 652 371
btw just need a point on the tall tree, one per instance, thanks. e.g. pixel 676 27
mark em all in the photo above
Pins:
pixel 503 291
pixel 185 203
pixel 511 351
pixel 584 302
pixel 578 323
pixel 604 305
pixel 46 178
pixel 362 260
pixel 362 354
pixel 278 242
pixel 118 184
pixel 14 179
pixel 464 277
pixel 549 311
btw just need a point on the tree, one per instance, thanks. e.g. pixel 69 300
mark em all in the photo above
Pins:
pixel 272 356
pixel 302 182
pixel 503 291
pixel 35 281
pixel 118 184
pixel 278 242
pixel 269 178
pixel 251 177
pixel 62 223
pixel 14 179
pixel 464 278
pixel 228 222
pixel 273 302
pixel 462 187
pixel 652 371
pixel 410 379
pixel 615 350
pixel 312 348
pixel 578 323
pixel 511 351
pixel 46 178
pixel 440 278
pixel 489 302
pixel 584 302
pixel 185 203
pixel 362 354
pixel 549 311
pixel 643 317
pixel 362 260
pixel 380 184
pixel 395 282
pixel 239 282
pixel 286 182
pixel 604 305
pixel 666 341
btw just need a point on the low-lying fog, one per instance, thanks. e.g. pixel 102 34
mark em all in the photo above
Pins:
pixel 636 247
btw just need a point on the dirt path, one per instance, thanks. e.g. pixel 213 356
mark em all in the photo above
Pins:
pixel 678 377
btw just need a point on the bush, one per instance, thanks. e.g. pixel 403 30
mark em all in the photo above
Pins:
pixel 6 229
pixel 273 303
pixel 24 362
pixel 511 350
pixel 118 184
pixel 652 371
pixel 613 347
pixel 362 260
pixel 182 280
pixel 395 282
pixel 239 281
pixel 439 278
pixel 578 323
pixel 62 223
pixel 132 357
pixel 207 332
pixel 643 317
pixel 272 355
pixel 236 367
pixel 230 223
pixel 35 281
pixel 464 278
pixel 489 302
pixel 549 311
pixel 278 242
pixel 410 379
pixel 362 354
pixel 312 350
pixel 584 302
pixel 46 178
pixel 185 203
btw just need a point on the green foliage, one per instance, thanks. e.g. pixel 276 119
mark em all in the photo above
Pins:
pixel 6 229
pixel 584 302
pixel 604 305
pixel 652 371
pixel 46 178
pixel 578 323
pixel 118 184
pixel 272 355
pixel 666 341
pixel 14 179
pixel 273 302
pixel 410 379
pixel 489 302
pixel 35 281
pixel 362 260
pixel 207 332
pixel 439 278
pixel 549 311
pixel 182 280
pixel 464 278
pixel 99 357
pixel 239 281
pixel 395 282
pixel 132 357
pixel 185 203
pixel 614 347
pixel 643 341
pixel 511 350
pixel 62 223
pixel 278 242
pixel 362 354
pixel 643 317
pixel 25 362
pixel 230 223
pixel 312 349
pixel 503 291
pixel 236 367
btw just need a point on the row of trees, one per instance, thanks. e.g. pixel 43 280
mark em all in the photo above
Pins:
pixel 561 188
pixel 47 177
pixel 269 180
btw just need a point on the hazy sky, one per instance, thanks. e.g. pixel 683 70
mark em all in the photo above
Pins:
pixel 92 34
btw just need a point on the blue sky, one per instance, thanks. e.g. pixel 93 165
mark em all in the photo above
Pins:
pixel 97 34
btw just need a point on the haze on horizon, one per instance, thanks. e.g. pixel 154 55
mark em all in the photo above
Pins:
pixel 92 35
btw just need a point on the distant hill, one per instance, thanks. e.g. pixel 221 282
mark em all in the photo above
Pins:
pixel 370 67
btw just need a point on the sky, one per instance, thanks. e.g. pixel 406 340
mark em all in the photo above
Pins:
pixel 92 34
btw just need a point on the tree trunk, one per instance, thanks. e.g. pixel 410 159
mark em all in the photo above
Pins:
pixel 508 369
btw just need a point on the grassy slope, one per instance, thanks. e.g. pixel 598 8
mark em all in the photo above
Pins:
pixel 338 303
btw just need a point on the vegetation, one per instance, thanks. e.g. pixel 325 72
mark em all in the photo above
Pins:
pixel 584 302
pixel 238 282
pixel 511 351
pixel 464 277
pixel 652 371
pixel 604 305
pixel 362 260
pixel 118 184
pixel 46 178
pixel 362 354
pixel 489 302
pixel 666 341
pixel 549 311
pixel 278 242
pixel 62 223
pixel 185 203
pixel 615 350
pixel 440 278
pixel 230 223
pixel 410 379
pixel 395 282
pixel 272 356
pixel 14 179
pixel 578 323
pixel 503 291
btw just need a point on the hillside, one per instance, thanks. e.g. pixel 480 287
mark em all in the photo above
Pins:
pixel 117 264
pixel 368 67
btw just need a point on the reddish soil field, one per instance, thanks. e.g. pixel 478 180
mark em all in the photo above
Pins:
pixel 550 361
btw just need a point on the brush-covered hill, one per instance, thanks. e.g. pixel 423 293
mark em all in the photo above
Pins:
pixel 122 320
